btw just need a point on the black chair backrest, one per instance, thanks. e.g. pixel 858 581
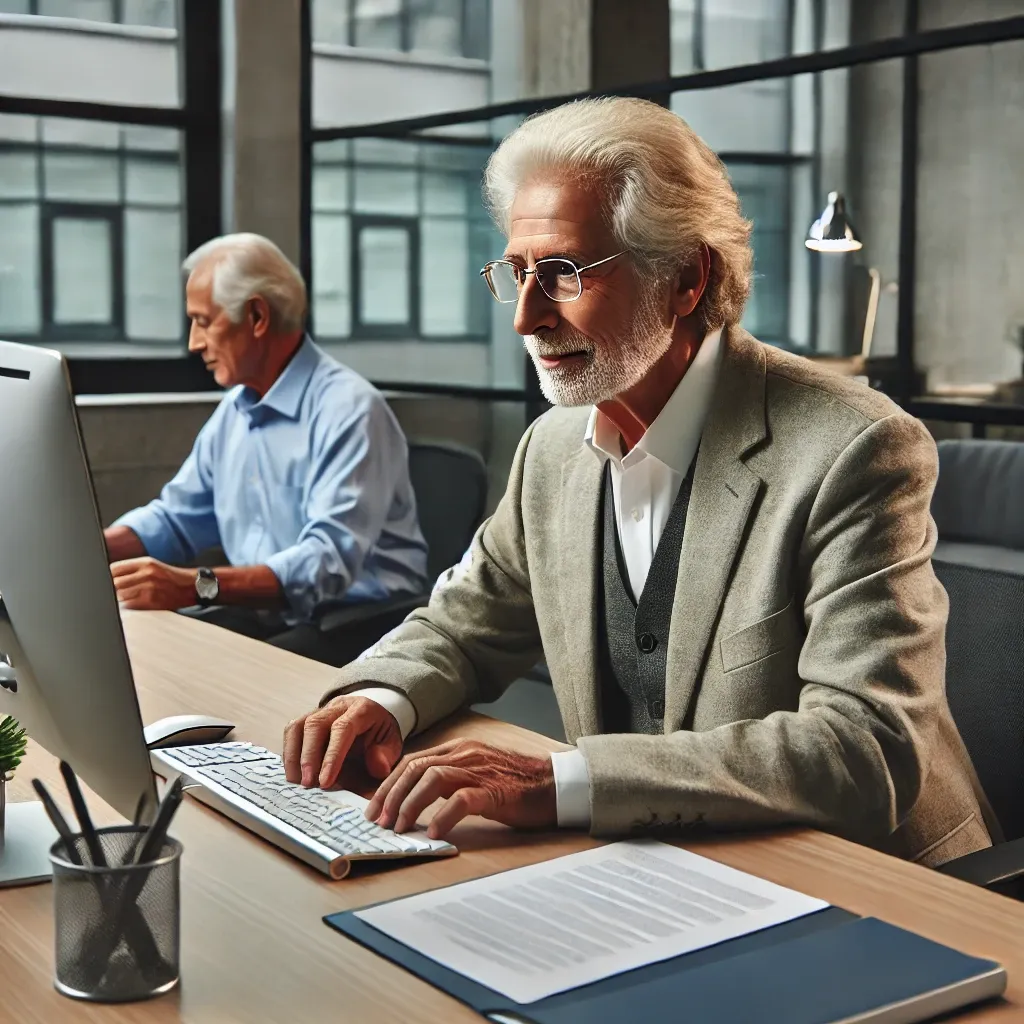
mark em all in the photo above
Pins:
pixel 451 496
pixel 978 510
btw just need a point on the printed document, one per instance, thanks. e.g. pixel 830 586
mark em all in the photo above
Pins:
pixel 551 927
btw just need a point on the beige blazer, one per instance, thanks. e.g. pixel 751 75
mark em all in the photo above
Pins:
pixel 805 679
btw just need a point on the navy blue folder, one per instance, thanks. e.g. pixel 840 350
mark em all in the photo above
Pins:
pixel 824 968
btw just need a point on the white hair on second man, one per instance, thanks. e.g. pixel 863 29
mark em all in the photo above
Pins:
pixel 246 265
pixel 666 191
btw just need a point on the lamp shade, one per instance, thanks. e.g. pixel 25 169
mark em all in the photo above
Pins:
pixel 832 231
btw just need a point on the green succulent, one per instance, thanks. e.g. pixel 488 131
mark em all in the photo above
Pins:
pixel 12 745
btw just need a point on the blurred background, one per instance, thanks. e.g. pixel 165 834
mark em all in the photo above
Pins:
pixel 354 133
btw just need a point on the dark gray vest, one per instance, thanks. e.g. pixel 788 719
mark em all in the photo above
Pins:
pixel 633 640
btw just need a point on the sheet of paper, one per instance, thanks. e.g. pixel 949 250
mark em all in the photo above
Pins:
pixel 550 927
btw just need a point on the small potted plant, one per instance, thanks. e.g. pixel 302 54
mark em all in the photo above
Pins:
pixel 12 750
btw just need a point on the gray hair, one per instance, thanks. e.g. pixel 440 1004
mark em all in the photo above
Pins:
pixel 665 191
pixel 248 265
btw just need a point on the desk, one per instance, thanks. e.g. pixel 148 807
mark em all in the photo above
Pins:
pixel 253 946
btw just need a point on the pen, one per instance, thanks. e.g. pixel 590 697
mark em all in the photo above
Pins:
pixel 85 821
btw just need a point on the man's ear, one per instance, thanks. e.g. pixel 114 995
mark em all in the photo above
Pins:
pixel 691 282
pixel 258 313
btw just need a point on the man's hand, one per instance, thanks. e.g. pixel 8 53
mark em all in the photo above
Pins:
pixel 475 778
pixel 149 585
pixel 316 745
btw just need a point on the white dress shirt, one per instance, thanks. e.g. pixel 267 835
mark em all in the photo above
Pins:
pixel 645 484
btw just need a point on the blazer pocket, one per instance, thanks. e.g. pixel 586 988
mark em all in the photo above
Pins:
pixel 760 640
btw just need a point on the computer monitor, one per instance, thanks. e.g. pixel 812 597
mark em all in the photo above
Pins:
pixel 64 669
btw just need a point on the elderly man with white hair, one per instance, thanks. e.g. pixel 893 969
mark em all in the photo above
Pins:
pixel 722 550
pixel 300 475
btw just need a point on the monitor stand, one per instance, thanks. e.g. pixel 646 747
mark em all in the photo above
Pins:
pixel 25 845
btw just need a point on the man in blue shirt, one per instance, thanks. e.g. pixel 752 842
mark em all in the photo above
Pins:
pixel 300 475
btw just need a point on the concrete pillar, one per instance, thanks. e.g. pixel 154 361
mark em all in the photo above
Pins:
pixel 264 126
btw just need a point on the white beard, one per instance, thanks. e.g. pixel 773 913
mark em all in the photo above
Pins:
pixel 608 371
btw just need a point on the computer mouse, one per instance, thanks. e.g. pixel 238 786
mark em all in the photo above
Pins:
pixel 184 730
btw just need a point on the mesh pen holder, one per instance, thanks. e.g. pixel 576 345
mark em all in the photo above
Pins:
pixel 116 931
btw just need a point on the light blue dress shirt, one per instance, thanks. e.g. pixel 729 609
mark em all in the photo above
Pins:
pixel 312 480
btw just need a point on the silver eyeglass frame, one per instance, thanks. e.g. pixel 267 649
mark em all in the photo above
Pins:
pixel 485 273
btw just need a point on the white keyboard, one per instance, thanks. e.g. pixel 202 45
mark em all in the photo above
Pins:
pixel 326 829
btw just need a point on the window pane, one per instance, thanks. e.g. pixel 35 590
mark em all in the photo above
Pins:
pixel 330 22
pixel 152 182
pixel 18 128
pixel 477 31
pixel 383 151
pixel 83 274
pixel 330 187
pixel 744 33
pixel 384 190
pixel 60 131
pixel 378 24
pixel 159 13
pixel 446 277
pixel 152 278
pixel 332 299
pixel 138 136
pixel 92 10
pixel 444 193
pixel 435 26
pixel 89 178
pixel 18 174
pixel 764 193
pixel 15 6
pixel 19 269
pixel 384 276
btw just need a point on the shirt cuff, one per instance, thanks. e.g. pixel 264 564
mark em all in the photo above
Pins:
pixel 572 789
pixel 398 704
pixel 152 530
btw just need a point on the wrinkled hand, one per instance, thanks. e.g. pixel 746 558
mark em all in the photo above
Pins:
pixel 475 778
pixel 146 584
pixel 316 745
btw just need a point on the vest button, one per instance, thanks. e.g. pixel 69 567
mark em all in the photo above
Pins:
pixel 647 642
pixel 657 709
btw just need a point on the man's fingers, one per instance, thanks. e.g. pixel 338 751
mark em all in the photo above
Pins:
pixel 381 757
pixel 125 568
pixel 316 731
pixel 402 783
pixel 344 730
pixel 459 805
pixel 292 750
pixel 436 781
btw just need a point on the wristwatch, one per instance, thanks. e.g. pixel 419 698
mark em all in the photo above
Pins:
pixel 207 587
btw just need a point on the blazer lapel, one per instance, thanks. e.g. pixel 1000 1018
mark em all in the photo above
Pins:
pixel 723 496
pixel 579 564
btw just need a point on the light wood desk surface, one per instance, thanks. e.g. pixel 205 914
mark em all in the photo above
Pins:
pixel 253 946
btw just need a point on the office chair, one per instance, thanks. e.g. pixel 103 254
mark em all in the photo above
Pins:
pixel 978 507
pixel 450 483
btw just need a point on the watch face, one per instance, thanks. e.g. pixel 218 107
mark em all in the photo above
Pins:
pixel 207 587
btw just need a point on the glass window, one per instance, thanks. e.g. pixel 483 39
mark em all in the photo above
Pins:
pixel 152 182
pixel 20 290
pixel 444 193
pixel 378 23
pixel 153 303
pixel 447 277
pixel 18 128
pixel 385 276
pixel 19 170
pixel 476 30
pixel 143 137
pixel 85 177
pixel 330 187
pixel 16 6
pixel 91 10
pixel 330 22
pixel 83 271
pixel 332 276
pixel 435 26
pixel 386 190
pixel 158 13
pixel 60 131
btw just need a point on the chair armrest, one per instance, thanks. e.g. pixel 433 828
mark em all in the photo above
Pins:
pixel 996 867
pixel 363 614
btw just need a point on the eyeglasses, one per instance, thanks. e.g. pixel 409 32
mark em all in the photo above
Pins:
pixel 559 278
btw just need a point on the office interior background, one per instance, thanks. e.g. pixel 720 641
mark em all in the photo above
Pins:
pixel 354 133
